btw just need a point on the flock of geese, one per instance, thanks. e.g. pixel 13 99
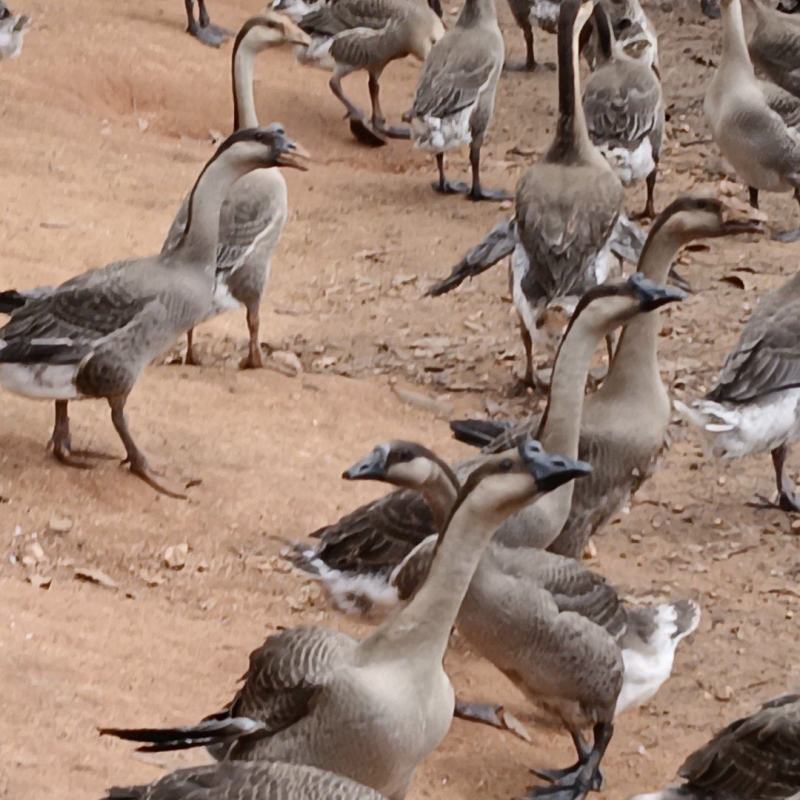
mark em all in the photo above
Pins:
pixel 490 545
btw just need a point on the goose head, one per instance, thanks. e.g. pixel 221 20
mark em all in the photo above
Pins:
pixel 264 147
pixel 700 217
pixel 400 463
pixel 505 483
pixel 270 29
pixel 428 29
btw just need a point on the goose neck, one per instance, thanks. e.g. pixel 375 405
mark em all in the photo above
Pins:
pixel 735 57
pixel 244 106
pixel 476 12
pixel 440 494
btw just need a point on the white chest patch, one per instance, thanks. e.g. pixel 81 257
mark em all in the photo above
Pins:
pixel 41 381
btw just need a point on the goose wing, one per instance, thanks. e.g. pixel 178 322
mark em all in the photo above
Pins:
pixel 757 756
pixel 455 73
pixel 565 218
pixel 778 53
pixel 786 105
pixel 241 780
pixel 767 356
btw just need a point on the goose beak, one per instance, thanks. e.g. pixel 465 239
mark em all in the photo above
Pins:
pixel 653 295
pixel 551 471
pixel 710 8
pixel 742 218
pixel 293 155
pixel 369 468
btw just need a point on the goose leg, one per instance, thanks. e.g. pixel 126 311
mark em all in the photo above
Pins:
pixel 528 381
pixel 359 126
pixel 559 776
pixel 477 192
pixel 202 29
pixel 191 358
pixel 254 359
pixel 792 235
pixel 752 193
pixel 136 460
pixel 530 64
pixel 490 714
pixel 378 120
pixel 787 493
pixel 61 442
pixel 649 210
pixel 575 784
pixel 444 186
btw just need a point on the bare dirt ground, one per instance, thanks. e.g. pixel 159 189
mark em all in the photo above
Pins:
pixel 105 123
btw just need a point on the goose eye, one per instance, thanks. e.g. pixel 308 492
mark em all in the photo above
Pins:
pixel 404 455
pixel 505 465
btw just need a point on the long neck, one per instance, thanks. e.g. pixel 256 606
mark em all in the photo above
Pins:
pixel 476 11
pixel 635 364
pixel 603 29
pixel 198 245
pixel 422 628
pixel 735 57
pixel 440 494
pixel 571 141
pixel 244 107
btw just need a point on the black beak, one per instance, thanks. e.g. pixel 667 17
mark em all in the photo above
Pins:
pixel 551 471
pixel 369 468
pixel 710 8
pixel 734 226
pixel 653 295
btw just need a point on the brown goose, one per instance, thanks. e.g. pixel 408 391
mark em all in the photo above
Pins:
pixel 372 710
pixel 369 35
pixel 625 452
pixel 564 637
pixel 754 758
pixel 568 208
pixel 357 556
pixel 202 28
pixel 454 100
pixel 255 211
pixel 237 780
pixel 93 335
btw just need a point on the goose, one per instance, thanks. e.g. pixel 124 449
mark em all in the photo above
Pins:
pixel 631 28
pixel 357 557
pixel 625 452
pixel 202 28
pixel 567 209
pixel 240 780
pixel 255 211
pixel 762 147
pixel 529 14
pixel 372 710
pixel 92 336
pixel 454 100
pixel 754 758
pixel 368 35
pixel 563 636
pixel 12 31
pixel 755 405
pixel 624 109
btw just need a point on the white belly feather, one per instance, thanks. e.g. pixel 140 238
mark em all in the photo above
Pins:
pixel 630 165
pixel 41 381
pixel 439 134
pixel 544 13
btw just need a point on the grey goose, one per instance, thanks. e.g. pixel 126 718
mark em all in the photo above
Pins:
pixel 254 212
pixel 239 780
pixel 624 109
pixel 562 636
pixel 624 425
pixel 358 559
pixel 202 28
pixel 755 405
pixel 754 758
pixel 368 35
pixel 372 710
pixel 454 100
pixel 568 210
pixel 92 336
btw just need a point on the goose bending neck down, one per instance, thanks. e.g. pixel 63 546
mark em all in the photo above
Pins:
pixel 254 212
pixel 92 336
pixel 372 710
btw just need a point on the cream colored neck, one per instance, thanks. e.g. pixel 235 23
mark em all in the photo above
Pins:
pixel 243 99
pixel 735 61
pixel 635 364
pixel 419 633
pixel 440 494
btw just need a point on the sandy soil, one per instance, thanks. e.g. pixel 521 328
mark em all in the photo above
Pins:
pixel 105 123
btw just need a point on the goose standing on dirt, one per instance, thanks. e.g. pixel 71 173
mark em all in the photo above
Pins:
pixel 564 637
pixel 12 31
pixel 358 557
pixel 92 336
pixel 454 101
pixel 202 28
pixel 237 780
pixel 372 710
pixel 255 211
pixel 369 35
pixel 760 144
pixel 623 429
pixel 568 207
pixel 755 406
pixel 754 758
pixel 624 110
